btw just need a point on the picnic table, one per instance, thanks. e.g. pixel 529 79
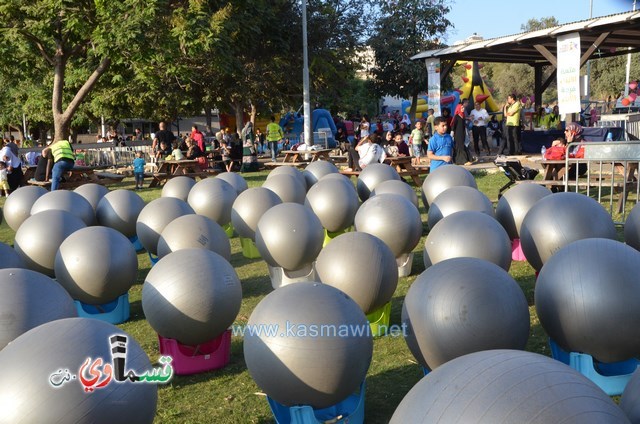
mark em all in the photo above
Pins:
pixel 403 165
pixel 174 168
pixel 78 176
pixel 295 156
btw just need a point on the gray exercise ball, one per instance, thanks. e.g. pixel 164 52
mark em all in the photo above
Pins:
pixel 468 234
pixel 630 401
pixel 506 386
pixel 96 265
pixel 178 187
pixel 54 353
pixel 236 181
pixel 397 187
pixel 9 258
pixel 249 207
pixel 39 237
pixel 288 170
pixel 335 203
pixel 119 209
pixel 445 177
pixel 371 176
pixel 287 187
pixel 93 193
pixel 318 169
pixel 18 205
pixel 631 227
pixel 393 219
pixel 29 299
pixel 587 299
pixel 559 219
pixel 456 199
pixel 339 177
pixel 319 369
pixel 213 198
pixel 362 266
pixel 465 305
pixel 290 236
pixel 191 295
pixel 515 203
pixel 155 216
pixel 194 232
pixel 68 201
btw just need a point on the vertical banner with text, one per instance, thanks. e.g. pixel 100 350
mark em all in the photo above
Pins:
pixel 569 73
pixel 433 84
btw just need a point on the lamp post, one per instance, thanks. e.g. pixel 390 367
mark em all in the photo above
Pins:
pixel 308 133
pixel 626 85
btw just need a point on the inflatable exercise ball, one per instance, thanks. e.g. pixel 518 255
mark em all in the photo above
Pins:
pixel 319 369
pixel 213 198
pixel 393 219
pixel 588 299
pixel 54 353
pixel 465 305
pixel 630 401
pixel 39 237
pixel 339 177
pixel 249 207
pixel 335 203
pixel 506 386
pixel 289 235
pixel 236 181
pixel 191 295
pixel 194 232
pixel 155 216
pixel 445 177
pixel 289 170
pixel 559 219
pixel 456 199
pixel 119 209
pixel 515 203
pixel 371 176
pixel 318 169
pixel 18 205
pixel 397 187
pixel 362 266
pixel 28 299
pixel 178 187
pixel 67 201
pixel 96 265
pixel 92 193
pixel 9 258
pixel 468 234
pixel 287 187
pixel 631 227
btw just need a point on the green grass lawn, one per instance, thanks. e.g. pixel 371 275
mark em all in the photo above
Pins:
pixel 229 395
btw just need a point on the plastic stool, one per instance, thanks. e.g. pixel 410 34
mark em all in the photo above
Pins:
pixel 516 251
pixel 154 259
pixel 349 411
pixel 249 249
pixel 379 320
pixel 136 243
pixel 228 229
pixel 404 261
pixel 281 277
pixel 611 377
pixel 114 312
pixel 425 370
pixel 208 356
pixel 328 235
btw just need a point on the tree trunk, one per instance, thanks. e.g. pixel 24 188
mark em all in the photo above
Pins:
pixel 207 125
pixel 254 113
pixel 19 129
pixel 414 106
pixel 237 108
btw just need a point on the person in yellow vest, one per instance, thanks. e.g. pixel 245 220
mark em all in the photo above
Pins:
pixel 512 112
pixel 274 135
pixel 63 160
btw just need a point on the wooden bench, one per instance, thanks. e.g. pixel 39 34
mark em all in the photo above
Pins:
pixel 272 165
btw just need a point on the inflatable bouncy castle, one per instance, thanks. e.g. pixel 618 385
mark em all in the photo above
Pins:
pixel 475 89
pixel 321 121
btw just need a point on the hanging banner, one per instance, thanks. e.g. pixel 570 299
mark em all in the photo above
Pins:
pixel 569 73
pixel 433 85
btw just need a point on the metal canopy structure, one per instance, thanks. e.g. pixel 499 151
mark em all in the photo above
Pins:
pixel 600 37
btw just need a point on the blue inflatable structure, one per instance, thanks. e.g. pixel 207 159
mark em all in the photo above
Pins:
pixel 321 121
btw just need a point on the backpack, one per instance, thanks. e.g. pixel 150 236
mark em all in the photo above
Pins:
pixel 555 153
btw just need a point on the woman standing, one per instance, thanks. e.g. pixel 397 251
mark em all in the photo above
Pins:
pixel 459 128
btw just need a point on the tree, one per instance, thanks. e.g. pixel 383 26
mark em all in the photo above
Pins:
pixel 537 24
pixel 608 75
pixel 75 42
pixel 405 27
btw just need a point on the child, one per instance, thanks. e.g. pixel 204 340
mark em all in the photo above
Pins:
pixel 4 179
pixel 415 140
pixel 226 156
pixel 138 170
pixel 163 151
pixel 440 150
pixel 177 153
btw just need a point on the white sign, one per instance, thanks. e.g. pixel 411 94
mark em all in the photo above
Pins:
pixel 433 84
pixel 569 73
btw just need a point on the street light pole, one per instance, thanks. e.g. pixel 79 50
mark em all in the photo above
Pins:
pixel 626 85
pixel 306 97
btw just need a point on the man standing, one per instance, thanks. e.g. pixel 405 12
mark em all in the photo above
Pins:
pixel 198 137
pixel 137 136
pixel 163 135
pixel 274 135
pixel 512 112
pixel 479 117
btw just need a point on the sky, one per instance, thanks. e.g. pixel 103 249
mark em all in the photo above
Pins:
pixel 499 18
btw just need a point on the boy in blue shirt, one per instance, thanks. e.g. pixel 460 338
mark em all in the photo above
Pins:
pixel 440 150
pixel 138 169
